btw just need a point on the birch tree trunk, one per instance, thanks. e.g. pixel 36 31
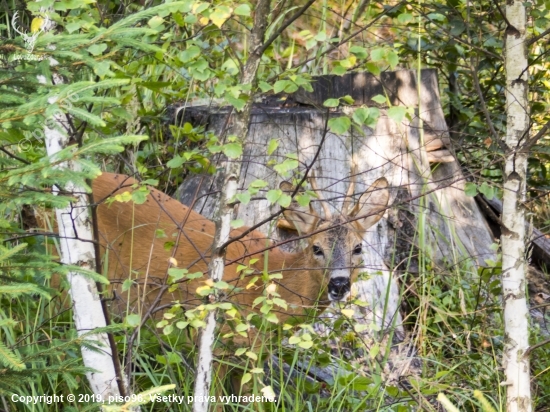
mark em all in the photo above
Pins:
pixel 225 210
pixel 516 313
pixel 77 248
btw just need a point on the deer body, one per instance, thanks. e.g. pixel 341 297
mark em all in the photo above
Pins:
pixel 134 237
pixel 130 235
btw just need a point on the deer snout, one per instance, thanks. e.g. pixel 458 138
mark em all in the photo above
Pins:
pixel 338 288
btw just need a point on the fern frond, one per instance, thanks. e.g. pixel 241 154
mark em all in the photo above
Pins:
pixel 10 359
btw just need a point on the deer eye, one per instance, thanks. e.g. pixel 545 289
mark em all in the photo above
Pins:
pixel 357 250
pixel 317 251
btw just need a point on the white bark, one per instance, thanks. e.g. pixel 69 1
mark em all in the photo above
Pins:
pixel 516 313
pixel 76 245
pixel 225 212
pixel 77 249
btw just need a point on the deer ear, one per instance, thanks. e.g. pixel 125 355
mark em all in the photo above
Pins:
pixel 286 186
pixel 371 205
pixel 296 217
pixel 300 219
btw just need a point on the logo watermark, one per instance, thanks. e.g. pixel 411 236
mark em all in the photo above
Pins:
pixel 38 26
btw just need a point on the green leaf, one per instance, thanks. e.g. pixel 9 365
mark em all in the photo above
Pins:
pixel 271 317
pixel 122 113
pixel 127 285
pixel 284 200
pixel 360 52
pixel 189 54
pixel 97 49
pixel 379 99
pixel 349 62
pixel 331 103
pixel 393 59
pixel 244 198
pixel 273 195
pixel 181 325
pixel 237 223
pixel 470 189
pixel 177 273
pixel 293 340
pixel 242 10
pixel 339 125
pixel 374 115
pixel 338 70
pixel 437 17
pixel 233 150
pixel 154 22
pixel 306 344
pixel 404 18
pixel 133 320
pixel 373 352
pixel 246 378
pixel 347 99
pixel 140 196
pixel 360 115
pixel 303 200
pixel 264 87
pixel 377 54
pixel 291 87
pixel 272 146
pixel 280 302
pixel 280 85
pixel 286 166
pixel 397 113
pixel 487 190
pixel 321 36
pixel 373 68
pixel 103 68
pixel 237 103
pixel 175 162
pixel 258 183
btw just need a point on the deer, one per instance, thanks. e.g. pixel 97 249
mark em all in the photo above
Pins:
pixel 133 237
pixel 321 273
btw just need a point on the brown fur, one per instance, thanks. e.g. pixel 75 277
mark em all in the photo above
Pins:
pixel 128 235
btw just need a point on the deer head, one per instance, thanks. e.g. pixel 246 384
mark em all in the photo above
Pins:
pixel 336 243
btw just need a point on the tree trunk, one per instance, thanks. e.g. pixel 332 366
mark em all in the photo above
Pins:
pixel 77 248
pixel 225 210
pixel 516 313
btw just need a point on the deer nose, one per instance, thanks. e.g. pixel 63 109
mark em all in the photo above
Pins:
pixel 338 288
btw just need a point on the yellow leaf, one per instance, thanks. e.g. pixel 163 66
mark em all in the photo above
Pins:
pixel 203 290
pixel 220 15
pixel 268 392
pixel 348 312
pixel 204 21
pixel 246 377
pixel 36 24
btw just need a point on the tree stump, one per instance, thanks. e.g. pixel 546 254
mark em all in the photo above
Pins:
pixel 431 186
